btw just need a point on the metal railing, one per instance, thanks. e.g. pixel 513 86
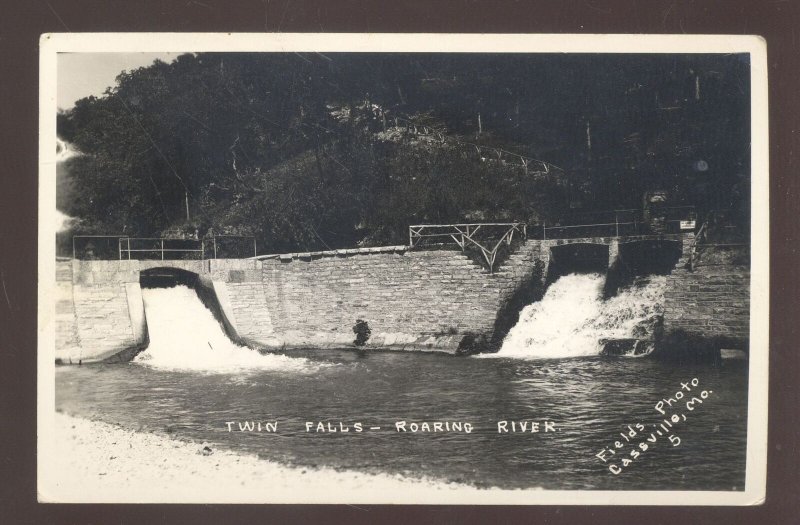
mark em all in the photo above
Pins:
pixel 247 238
pixel 604 227
pixel 618 223
pixel 464 234
pixel 701 241
pixel 161 248
pixel 104 246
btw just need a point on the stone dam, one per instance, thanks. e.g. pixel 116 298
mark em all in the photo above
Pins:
pixel 412 299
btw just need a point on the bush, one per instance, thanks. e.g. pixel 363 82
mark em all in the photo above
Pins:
pixel 362 331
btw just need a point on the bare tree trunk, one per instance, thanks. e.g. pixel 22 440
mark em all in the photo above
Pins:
pixel 588 136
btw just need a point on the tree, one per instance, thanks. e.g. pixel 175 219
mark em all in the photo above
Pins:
pixel 311 151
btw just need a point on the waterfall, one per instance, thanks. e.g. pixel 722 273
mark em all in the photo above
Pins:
pixel 185 335
pixel 64 152
pixel 573 319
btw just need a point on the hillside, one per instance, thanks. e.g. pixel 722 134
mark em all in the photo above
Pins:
pixel 320 151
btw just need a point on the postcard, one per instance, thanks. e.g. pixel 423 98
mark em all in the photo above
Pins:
pixel 403 268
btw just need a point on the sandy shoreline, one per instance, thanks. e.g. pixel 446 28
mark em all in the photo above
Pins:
pixel 91 461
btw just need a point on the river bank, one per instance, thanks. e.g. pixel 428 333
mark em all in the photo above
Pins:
pixel 97 462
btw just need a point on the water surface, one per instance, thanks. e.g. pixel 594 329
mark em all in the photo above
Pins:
pixel 590 399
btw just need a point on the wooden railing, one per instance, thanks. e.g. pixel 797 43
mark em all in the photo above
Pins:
pixel 464 234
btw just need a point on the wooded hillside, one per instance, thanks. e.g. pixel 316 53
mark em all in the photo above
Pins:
pixel 311 151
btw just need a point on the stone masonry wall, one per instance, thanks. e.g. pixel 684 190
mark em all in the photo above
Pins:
pixel 412 300
pixel 713 301
pixel 424 300
pixel 67 341
pixel 108 310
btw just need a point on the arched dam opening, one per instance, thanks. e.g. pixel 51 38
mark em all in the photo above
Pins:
pixel 580 258
pixel 597 299
pixel 640 259
pixel 167 278
pixel 188 331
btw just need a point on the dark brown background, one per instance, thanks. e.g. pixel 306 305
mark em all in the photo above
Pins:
pixel 21 23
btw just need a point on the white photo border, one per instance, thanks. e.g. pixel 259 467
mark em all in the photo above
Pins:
pixel 757 416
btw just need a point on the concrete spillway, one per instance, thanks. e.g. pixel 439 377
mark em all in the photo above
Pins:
pixel 184 335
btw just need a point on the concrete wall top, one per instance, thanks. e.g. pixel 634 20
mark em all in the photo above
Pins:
pixel 622 239
pixel 195 266
pixel 333 253
pixel 247 270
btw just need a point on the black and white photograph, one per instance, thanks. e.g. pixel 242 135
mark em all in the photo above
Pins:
pixel 410 268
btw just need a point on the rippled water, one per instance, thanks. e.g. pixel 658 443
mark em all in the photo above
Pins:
pixel 590 399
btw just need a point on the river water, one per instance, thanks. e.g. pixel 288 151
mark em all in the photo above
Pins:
pixel 192 382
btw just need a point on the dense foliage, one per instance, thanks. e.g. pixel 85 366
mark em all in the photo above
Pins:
pixel 312 151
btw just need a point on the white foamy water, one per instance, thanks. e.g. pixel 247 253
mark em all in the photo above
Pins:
pixel 572 317
pixel 63 221
pixel 184 335
pixel 63 150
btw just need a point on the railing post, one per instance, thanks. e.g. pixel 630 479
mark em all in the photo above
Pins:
pixel 119 248
pixel 162 249
pixel 616 222
pixel 73 247
pixel 544 230
pixel 202 250
pixel 215 246
pixel 255 250
pixel 129 248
